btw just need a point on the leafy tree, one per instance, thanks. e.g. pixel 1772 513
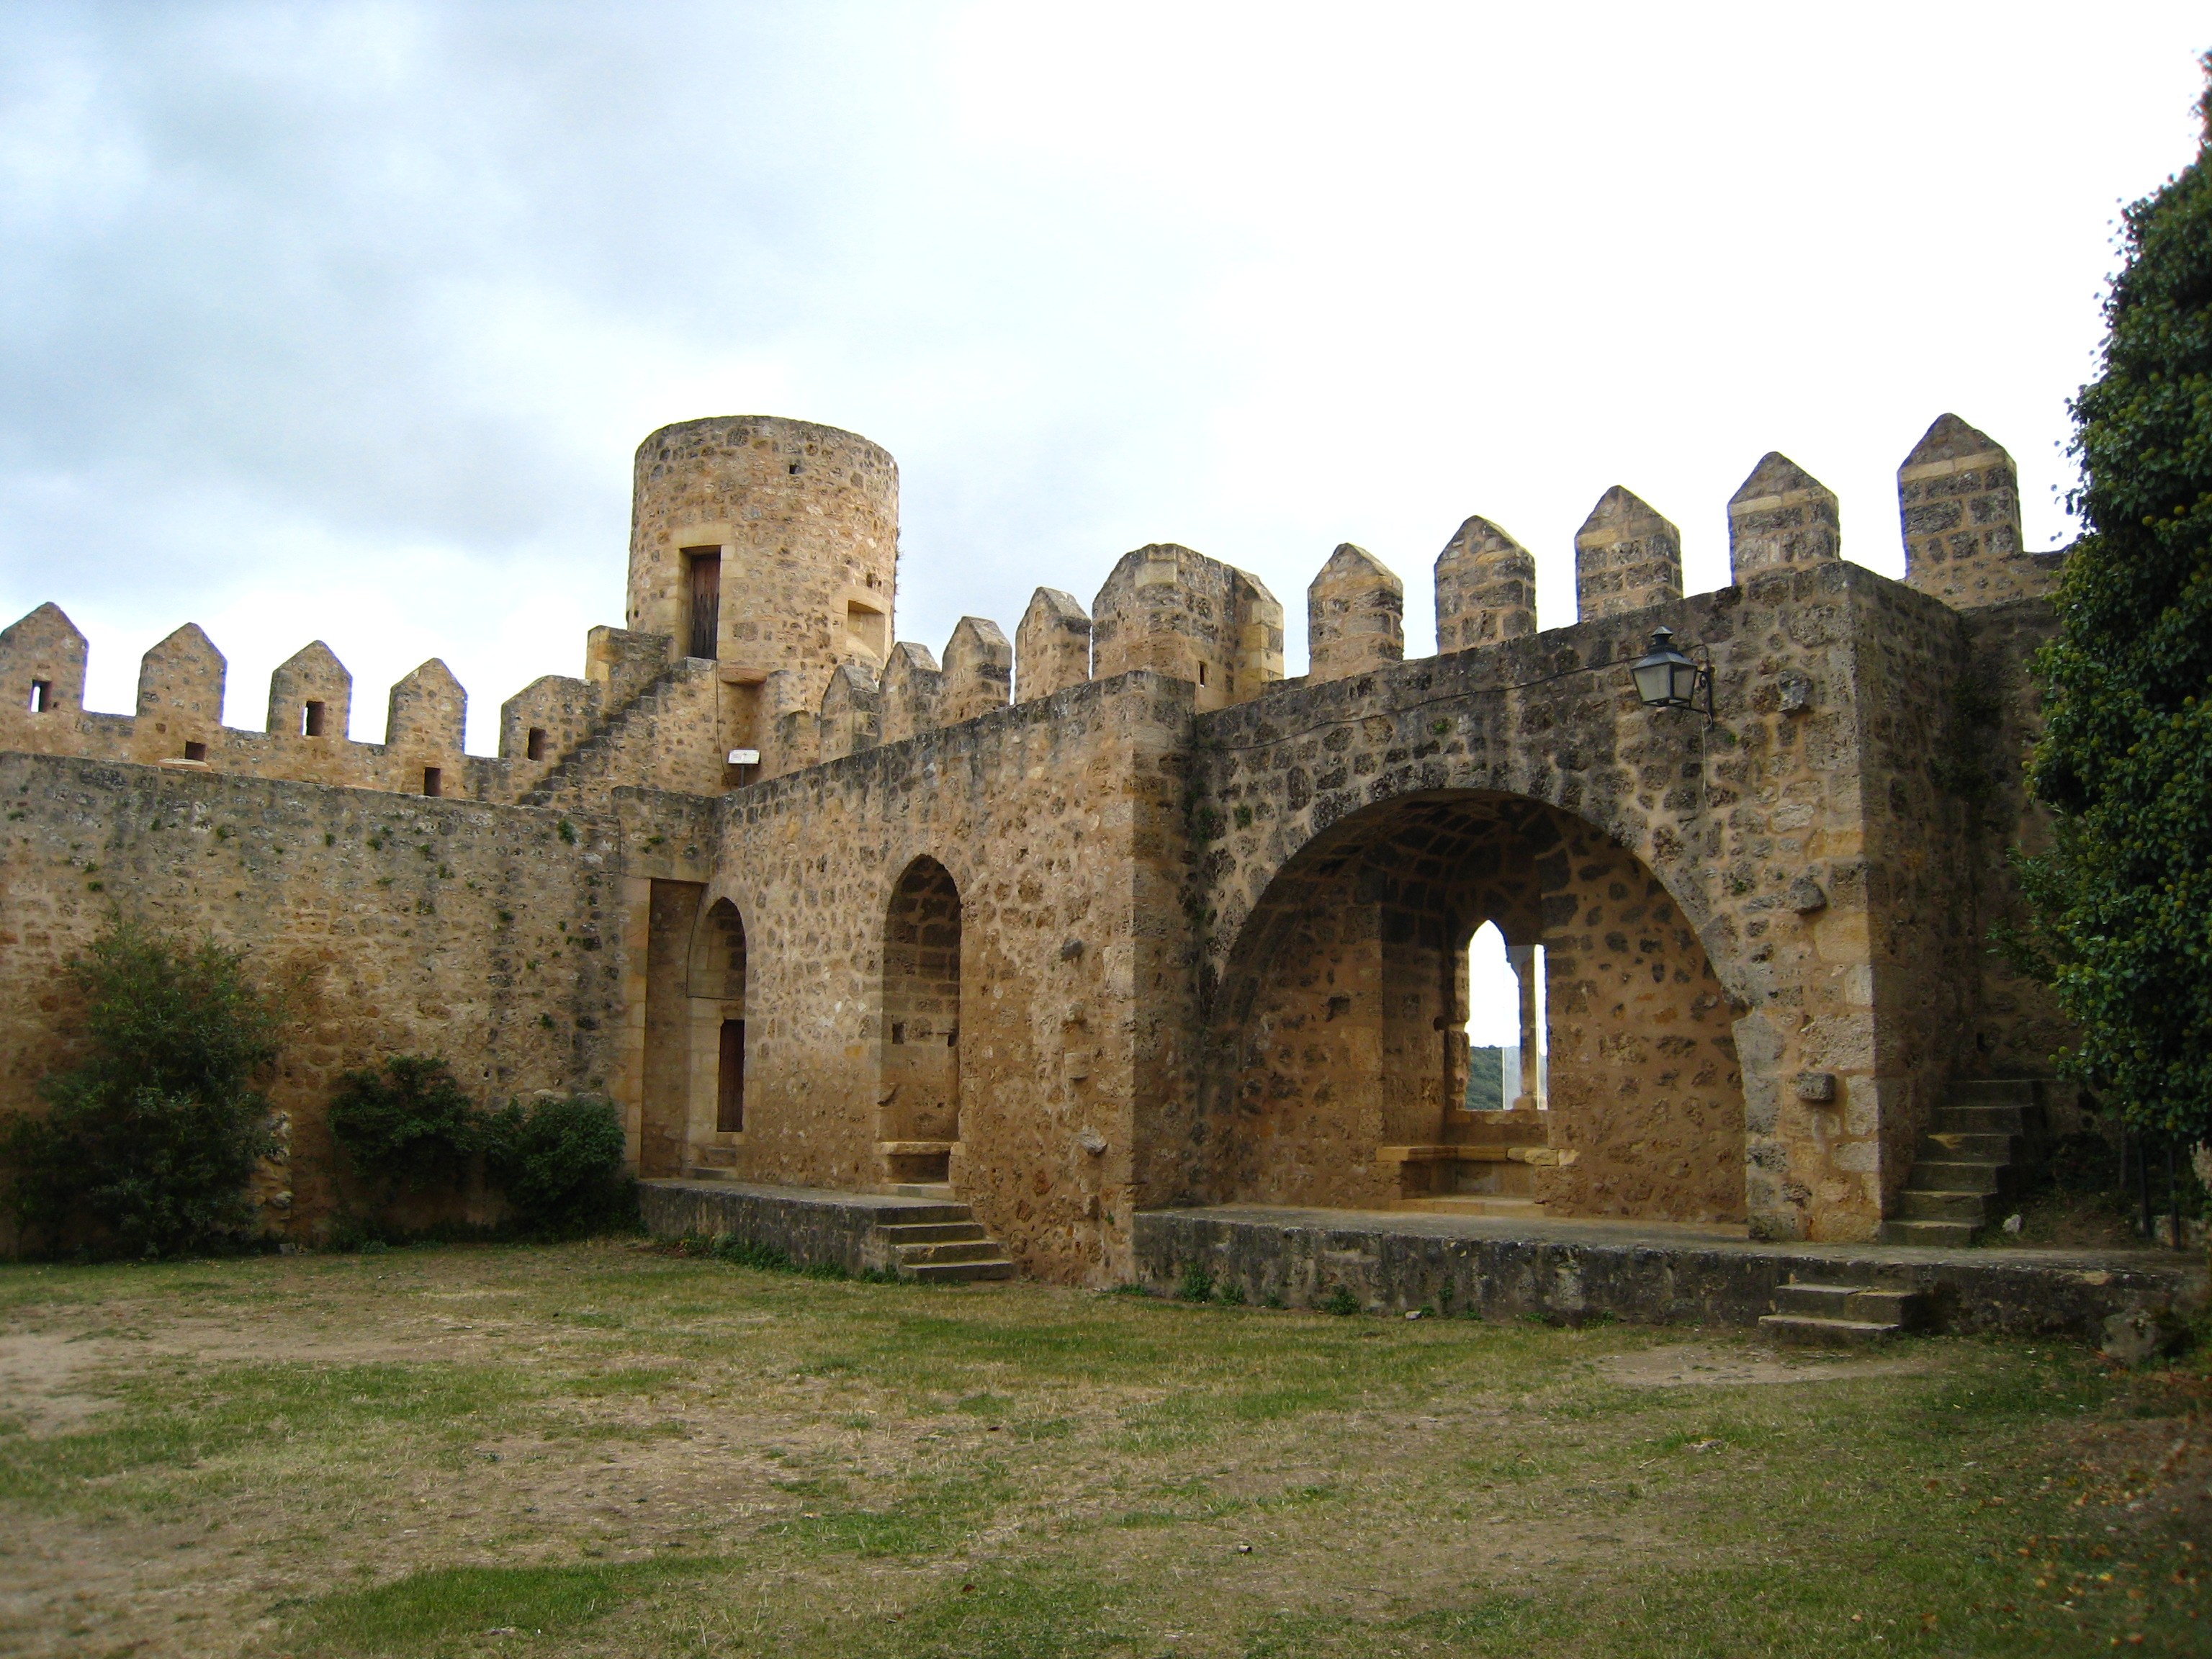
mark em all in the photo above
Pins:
pixel 561 1165
pixel 155 1133
pixel 406 1126
pixel 2121 900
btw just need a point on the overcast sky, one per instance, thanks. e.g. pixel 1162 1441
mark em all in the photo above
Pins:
pixel 342 321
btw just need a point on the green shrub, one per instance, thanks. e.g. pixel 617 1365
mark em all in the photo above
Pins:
pixel 152 1136
pixel 1197 1284
pixel 560 1163
pixel 1341 1302
pixel 408 1128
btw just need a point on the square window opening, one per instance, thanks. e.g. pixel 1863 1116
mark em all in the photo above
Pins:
pixel 311 720
pixel 433 780
pixel 534 746
pixel 196 751
pixel 865 624
pixel 42 696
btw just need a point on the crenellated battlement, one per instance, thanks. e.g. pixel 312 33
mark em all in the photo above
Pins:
pixel 759 557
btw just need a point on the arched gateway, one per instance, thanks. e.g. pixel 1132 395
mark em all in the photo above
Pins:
pixel 1338 1070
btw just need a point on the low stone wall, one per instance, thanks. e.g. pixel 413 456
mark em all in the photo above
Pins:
pixel 1400 1266
pixel 814 1228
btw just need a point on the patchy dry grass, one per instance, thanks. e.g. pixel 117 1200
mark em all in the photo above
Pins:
pixel 600 1451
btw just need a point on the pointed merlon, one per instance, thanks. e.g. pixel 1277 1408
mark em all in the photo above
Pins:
pixel 1957 502
pixel 912 683
pixel 180 686
pixel 1781 516
pixel 1052 646
pixel 310 695
pixel 1486 588
pixel 42 660
pixel 425 715
pixel 1355 616
pixel 852 707
pixel 979 671
pixel 1627 558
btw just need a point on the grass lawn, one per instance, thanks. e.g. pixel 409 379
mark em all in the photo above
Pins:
pixel 602 1449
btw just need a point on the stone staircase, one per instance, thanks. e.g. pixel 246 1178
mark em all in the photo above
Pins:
pixel 1967 1160
pixel 587 760
pixel 942 1242
pixel 1810 1314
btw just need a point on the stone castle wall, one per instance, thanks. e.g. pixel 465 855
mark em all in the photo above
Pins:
pixel 1211 925
pixel 1059 823
pixel 489 935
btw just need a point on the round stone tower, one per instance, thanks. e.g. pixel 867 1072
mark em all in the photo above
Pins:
pixel 769 545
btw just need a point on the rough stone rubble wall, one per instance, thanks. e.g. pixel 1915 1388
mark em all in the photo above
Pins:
pixel 1729 830
pixel 484 934
pixel 1060 820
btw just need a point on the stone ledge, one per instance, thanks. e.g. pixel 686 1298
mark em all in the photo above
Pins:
pixel 1571 1270
pixel 814 1226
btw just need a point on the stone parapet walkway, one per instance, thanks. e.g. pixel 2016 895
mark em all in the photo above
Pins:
pixel 1502 1268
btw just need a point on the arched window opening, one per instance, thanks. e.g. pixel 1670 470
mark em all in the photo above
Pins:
pixel 918 1118
pixel 718 1016
pixel 1507 1042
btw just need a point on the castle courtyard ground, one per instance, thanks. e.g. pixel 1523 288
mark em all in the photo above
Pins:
pixel 603 1448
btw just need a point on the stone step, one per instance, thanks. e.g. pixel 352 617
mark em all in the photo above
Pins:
pixel 940 1189
pixel 930 1232
pixel 1969 1146
pixel 1808 1330
pixel 1912 1230
pixel 925 1215
pixel 1475 1204
pixel 958 1272
pixel 1918 1206
pixel 985 1249
pixel 1980 1120
pixel 1932 1173
pixel 1874 1304
pixel 704 1172
pixel 1994 1092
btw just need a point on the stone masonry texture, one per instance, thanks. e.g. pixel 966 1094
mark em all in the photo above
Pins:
pixel 1110 919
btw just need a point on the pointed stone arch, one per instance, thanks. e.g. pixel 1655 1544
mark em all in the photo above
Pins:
pixel 1336 1070
pixel 918 1111
pixel 716 980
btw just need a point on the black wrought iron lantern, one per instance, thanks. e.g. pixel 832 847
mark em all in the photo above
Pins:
pixel 1665 679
